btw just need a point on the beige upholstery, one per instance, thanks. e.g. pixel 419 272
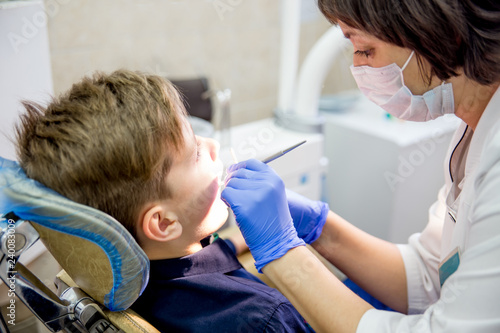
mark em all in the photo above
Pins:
pixel 90 271
pixel 100 255
pixel 89 268
pixel 128 320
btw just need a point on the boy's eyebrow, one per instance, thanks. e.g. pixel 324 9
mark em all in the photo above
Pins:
pixel 192 131
pixel 194 140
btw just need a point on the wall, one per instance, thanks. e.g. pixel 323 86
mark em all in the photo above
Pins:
pixel 24 66
pixel 233 42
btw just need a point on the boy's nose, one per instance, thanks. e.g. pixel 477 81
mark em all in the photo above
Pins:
pixel 214 148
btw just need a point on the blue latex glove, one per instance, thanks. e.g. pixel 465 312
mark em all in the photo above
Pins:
pixel 308 216
pixel 256 194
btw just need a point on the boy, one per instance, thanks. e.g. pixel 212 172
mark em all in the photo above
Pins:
pixel 121 143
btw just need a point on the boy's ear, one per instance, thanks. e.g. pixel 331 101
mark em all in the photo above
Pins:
pixel 160 225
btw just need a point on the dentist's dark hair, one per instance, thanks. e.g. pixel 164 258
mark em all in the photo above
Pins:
pixel 449 34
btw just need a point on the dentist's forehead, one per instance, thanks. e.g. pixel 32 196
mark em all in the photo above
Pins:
pixel 350 32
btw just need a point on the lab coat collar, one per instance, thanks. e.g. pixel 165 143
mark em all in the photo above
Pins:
pixel 489 118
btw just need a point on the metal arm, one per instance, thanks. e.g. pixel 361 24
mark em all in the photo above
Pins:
pixel 73 311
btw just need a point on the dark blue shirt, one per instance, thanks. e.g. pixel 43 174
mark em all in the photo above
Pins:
pixel 209 291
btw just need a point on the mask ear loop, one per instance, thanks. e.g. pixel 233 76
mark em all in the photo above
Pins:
pixel 403 68
pixel 407 61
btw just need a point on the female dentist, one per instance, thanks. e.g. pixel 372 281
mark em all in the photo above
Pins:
pixel 418 60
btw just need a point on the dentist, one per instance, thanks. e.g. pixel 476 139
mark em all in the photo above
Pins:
pixel 418 60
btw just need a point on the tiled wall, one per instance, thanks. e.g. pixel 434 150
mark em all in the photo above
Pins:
pixel 233 42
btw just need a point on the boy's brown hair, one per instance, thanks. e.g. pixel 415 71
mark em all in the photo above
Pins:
pixel 107 143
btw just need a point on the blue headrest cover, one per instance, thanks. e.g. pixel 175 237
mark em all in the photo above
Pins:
pixel 34 202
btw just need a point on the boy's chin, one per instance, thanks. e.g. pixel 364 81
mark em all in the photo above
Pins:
pixel 223 214
pixel 218 216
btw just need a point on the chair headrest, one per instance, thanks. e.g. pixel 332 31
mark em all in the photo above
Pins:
pixel 194 100
pixel 99 254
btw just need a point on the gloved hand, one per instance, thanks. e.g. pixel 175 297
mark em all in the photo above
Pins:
pixel 308 216
pixel 256 194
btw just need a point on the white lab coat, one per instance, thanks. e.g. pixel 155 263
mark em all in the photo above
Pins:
pixel 469 300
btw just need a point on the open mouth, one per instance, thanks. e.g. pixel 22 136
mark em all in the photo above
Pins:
pixel 220 172
pixel 228 158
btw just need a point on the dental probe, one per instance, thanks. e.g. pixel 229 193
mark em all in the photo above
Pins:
pixel 233 155
pixel 266 160
pixel 281 153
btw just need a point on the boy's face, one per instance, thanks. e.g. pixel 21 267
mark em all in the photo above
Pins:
pixel 194 181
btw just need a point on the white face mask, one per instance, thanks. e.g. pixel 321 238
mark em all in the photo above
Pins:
pixel 385 87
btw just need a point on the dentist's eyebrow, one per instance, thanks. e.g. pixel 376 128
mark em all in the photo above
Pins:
pixel 348 35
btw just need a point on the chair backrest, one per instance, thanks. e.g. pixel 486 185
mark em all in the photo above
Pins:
pixel 195 96
pixel 96 251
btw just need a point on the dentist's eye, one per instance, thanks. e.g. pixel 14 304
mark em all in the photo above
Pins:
pixel 366 53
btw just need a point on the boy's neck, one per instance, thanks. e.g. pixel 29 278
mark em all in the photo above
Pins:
pixel 160 251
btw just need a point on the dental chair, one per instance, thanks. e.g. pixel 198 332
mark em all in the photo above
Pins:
pixel 196 96
pixel 211 105
pixel 104 269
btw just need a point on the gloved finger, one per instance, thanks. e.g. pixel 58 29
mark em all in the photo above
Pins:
pixel 230 196
pixel 294 197
pixel 246 174
pixel 256 165
pixel 241 174
pixel 252 175
pixel 237 166
pixel 226 192
pixel 246 184
pixel 250 164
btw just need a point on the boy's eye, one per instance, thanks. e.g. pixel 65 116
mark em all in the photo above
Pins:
pixel 198 148
pixel 366 53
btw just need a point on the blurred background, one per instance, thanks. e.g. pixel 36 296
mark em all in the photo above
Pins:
pixel 367 165
pixel 236 44
pixel 260 58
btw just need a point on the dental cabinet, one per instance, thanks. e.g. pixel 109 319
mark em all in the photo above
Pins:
pixel 302 169
pixel 383 173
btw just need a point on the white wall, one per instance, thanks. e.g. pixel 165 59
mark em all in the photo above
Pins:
pixel 383 173
pixel 25 71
